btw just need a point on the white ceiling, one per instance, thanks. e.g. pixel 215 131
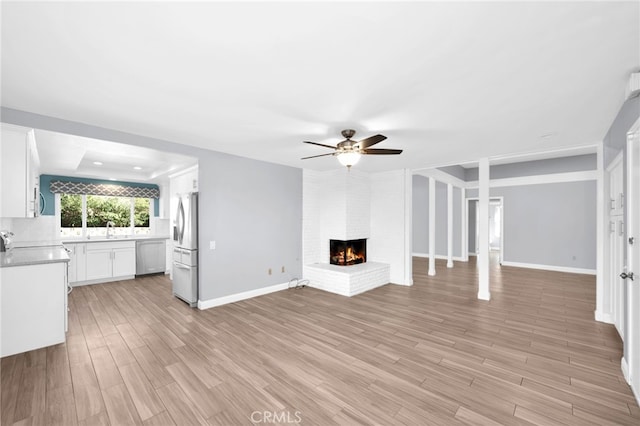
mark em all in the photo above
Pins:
pixel 68 155
pixel 446 82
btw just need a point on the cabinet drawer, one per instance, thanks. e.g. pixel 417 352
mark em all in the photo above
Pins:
pixel 186 257
pixel 110 245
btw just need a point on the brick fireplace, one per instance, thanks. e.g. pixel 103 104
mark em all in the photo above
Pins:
pixel 338 251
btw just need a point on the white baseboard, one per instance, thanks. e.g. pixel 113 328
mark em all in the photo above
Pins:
pixel 101 281
pixel 625 369
pixel 603 317
pixel 438 256
pixel 624 366
pixel 211 303
pixel 550 268
pixel 484 295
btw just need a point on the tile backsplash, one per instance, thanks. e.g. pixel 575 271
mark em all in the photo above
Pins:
pixel 41 228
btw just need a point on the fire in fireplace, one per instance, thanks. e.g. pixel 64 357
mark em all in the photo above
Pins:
pixel 350 252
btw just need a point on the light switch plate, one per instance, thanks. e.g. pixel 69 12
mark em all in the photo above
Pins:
pixel 212 245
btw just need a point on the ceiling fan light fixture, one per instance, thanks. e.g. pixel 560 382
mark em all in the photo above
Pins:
pixel 349 158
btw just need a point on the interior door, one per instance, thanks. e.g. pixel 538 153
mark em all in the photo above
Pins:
pixel 632 272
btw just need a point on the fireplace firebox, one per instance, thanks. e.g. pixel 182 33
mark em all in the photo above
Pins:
pixel 350 252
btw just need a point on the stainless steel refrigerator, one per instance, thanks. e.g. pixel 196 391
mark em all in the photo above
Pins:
pixel 185 249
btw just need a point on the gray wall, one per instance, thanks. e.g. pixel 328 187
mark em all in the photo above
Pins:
pixel 549 224
pixel 471 237
pixel 455 171
pixel 616 138
pixel 576 163
pixel 420 215
pixel 420 218
pixel 252 209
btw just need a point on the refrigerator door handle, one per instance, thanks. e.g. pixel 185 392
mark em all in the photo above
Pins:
pixel 180 220
pixel 180 265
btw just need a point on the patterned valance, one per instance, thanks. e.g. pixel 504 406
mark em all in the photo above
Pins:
pixel 62 187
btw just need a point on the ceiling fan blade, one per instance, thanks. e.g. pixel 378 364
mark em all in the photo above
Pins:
pixel 314 156
pixel 320 144
pixel 370 141
pixel 381 151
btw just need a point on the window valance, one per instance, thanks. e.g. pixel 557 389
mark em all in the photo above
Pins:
pixel 114 190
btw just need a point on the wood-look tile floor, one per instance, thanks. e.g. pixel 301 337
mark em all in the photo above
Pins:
pixel 427 354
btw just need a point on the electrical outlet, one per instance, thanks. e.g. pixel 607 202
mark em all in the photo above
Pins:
pixel 283 269
pixel 269 271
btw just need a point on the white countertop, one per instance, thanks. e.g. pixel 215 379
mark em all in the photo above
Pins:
pixel 114 239
pixel 24 256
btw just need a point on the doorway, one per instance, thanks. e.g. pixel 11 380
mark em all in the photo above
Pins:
pixel 632 270
pixel 496 226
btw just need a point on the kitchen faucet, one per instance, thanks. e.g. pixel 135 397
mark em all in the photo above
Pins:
pixel 110 225
pixel 5 240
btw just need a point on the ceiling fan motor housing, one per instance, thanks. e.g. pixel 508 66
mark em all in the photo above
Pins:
pixel 348 133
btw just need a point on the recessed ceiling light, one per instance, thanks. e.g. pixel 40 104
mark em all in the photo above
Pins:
pixel 97 163
pixel 137 168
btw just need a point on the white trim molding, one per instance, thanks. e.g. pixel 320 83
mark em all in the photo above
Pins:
pixel 602 238
pixel 449 225
pixel 441 176
pixel 624 366
pixel 550 268
pixel 439 256
pixel 219 301
pixel 540 179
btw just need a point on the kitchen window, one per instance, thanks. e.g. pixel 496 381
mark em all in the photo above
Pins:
pixel 83 215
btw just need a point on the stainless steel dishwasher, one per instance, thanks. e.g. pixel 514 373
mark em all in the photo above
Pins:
pixel 150 256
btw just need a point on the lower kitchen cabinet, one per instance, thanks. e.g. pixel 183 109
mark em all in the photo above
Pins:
pixel 101 262
pixel 33 307
pixel 78 262
pixel 124 261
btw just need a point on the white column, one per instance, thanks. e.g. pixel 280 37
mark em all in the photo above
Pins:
pixel 464 222
pixel 432 227
pixel 408 227
pixel 449 225
pixel 483 225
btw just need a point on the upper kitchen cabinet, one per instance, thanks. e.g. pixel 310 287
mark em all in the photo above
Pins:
pixel 20 172
pixel 184 181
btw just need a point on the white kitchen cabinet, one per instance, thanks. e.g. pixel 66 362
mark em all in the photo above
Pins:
pixel 78 262
pixel 19 172
pixel 124 261
pixel 34 307
pixel 99 262
pixel 102 261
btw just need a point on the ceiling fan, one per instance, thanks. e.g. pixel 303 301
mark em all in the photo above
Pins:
pixel 349 151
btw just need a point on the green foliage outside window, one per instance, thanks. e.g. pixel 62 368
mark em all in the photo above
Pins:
pixel 71 211
pixel 102 209
pixel 141 212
